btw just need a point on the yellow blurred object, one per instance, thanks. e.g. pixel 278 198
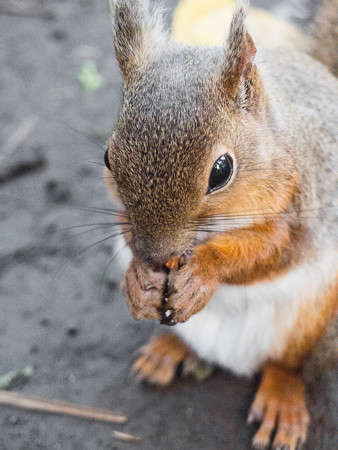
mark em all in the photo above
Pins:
pixel 204 22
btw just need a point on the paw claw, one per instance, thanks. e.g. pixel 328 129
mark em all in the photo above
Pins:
pixel 255 416
pixel 159 359
pixel 279 405
pixel 260 446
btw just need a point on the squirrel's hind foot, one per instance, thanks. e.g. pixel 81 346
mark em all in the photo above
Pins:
pixel 161 357
pixel 280 405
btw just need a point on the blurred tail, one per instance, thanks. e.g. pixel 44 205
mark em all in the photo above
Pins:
pixel 202 22
pixel 324 37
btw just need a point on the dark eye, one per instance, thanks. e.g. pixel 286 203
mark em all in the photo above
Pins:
pixel 106 159
pixel 220 173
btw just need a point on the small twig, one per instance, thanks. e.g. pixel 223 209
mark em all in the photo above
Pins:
pixel 20 134
pixel 126 437
pixel 57 407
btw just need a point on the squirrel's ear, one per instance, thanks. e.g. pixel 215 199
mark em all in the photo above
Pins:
pixel 138 34
pixel 240 79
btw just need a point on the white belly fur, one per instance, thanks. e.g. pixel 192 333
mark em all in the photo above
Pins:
pixel 242 326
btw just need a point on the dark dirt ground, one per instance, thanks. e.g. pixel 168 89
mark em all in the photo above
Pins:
pixel 57 313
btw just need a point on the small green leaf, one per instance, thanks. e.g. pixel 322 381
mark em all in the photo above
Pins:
pixel 89 77
pixel 9 378
pixel 28 371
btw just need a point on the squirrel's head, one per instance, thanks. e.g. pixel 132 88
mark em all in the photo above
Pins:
pixel 189 132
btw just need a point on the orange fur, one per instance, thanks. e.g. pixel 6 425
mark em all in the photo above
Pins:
pixel 159 359
pixel 256 192
pixel 252 254
pixel 260 252
pixel 313 319
pixel 280 403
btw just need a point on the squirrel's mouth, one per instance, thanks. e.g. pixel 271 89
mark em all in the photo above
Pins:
pixel 157 259
pixel 161 255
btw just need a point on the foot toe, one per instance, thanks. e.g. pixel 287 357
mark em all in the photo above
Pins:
pixel 159 359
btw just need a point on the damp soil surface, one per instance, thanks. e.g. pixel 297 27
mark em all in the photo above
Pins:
pixel 61 310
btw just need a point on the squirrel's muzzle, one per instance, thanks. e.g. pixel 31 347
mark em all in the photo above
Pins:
pixel 156 253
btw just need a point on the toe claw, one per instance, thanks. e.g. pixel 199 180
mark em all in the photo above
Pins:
pixel 255 416
pixel 158 359
pixel 280 403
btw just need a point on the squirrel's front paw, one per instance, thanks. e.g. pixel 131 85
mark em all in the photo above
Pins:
pixel 143 290
pixel 191 290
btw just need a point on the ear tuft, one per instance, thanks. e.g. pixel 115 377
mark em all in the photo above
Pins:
pixel 138 34
pixel 239 65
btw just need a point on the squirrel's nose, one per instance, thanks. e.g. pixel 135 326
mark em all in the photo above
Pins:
pixel 153 253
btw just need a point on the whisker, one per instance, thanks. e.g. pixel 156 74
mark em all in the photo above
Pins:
pixel 81 133
pixel 97 164
pixel 73 162
pixel 111 212
pixel 114 235
pixel 241 234
pixel 88 247
pixel 89 231
pixel 114 256
pixel 252 213
pixel 93 225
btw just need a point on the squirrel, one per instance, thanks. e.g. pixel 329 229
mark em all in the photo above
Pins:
pixel 224 162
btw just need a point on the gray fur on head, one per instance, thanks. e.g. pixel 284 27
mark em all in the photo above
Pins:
pixel 138 34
